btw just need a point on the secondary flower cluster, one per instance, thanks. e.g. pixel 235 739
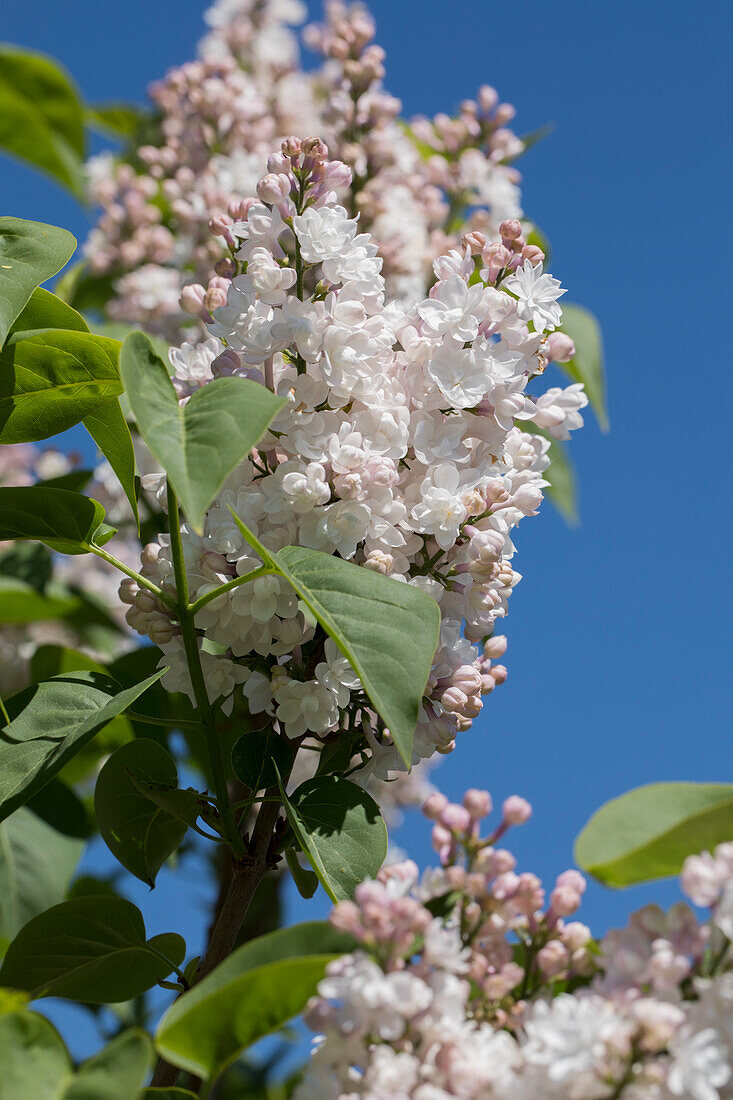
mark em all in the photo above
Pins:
pixel 407 445
pixel 218 118
pixel 470 983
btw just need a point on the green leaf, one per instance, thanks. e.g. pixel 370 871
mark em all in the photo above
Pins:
pixel 45 310
pixel 649 832
pixel 252 993
pixel 563 489
pixel 387 630
pixel 116 1072
pixel 586 366
pixel 90 949
pixel 41 116
pixel 30 253
pixel 36 865
pixel 50 380
pixel 51 660
pixel 61 808
pixel 115 119
pixel 258 757
pixel 306 881
pixel 28 562
pixel 341 832
pixel 50 722
pixel 108 428
pixel 65 521
pixel 35 1065
pixel 20 603
pixel 200 444
pixel 84 289
pixel 139 833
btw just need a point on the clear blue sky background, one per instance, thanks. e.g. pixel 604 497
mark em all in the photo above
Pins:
pixel 620 633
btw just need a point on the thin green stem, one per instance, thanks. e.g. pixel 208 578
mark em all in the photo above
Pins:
pixel 193 659
pixel 202 601
pixel 142 581
pixel 4 711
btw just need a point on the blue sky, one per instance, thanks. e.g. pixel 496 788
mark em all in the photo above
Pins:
pixel 619 634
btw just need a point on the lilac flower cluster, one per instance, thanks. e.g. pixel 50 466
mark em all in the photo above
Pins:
pixel 416 188
pixel 408 445
pixel 469 983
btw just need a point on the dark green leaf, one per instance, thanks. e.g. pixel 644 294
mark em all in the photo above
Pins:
pixel 254 757
pixel 85 290
pixel 30 253
pixel 41 117
pixel 167 1094
pixel 305 881
pixel 340 830
pixel 65 521
pixel 51 380
pixel 92 950
pixel 139 833
pixel 387 630
pixel 108 428
pixel 586 366
pixel 199 444
pixel 29 562
pixel 36 865
pixel 75 481
pixel 61 808
pixel 50 722
pixel 252 993
pixel 649 832
pixel 45 310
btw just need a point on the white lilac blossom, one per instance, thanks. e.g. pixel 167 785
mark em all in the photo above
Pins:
pixel 218 118
pixel 501 997
pixel 405 446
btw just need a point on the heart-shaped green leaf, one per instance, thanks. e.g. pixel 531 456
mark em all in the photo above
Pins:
pixel 649 832
pixel 108 428
pixel 586 366
pixel 139 833
pixel 252 993
pixel 388 630
pixel 91 949
pixel 50 380
pixel 36 865
pixel 30 253
pixel 35 1064
pixel 52 721
pixel 65 521
pixel 199 444
pixel 340 830
pixel 258 757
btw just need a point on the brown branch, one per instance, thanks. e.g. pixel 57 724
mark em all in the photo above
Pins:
pixel 247 873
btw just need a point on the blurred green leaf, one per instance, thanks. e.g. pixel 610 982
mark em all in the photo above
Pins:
pixel 649 832
pixel 587 365
pixel 41 116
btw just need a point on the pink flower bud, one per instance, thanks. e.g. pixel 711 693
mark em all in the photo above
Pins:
pixel 576 935
pixel 564 901
pixel 533 253
pixel 559 348
pixel 511 229
pixel 274 189
pixel 495 647
pixel 573 880
pixel 336 175
pixel 192 298
pixel 516 810
pixel 552 958
pixel 478 803
pixel 498 674
pixel 456 818
pixel 434 805
pixel 291 147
